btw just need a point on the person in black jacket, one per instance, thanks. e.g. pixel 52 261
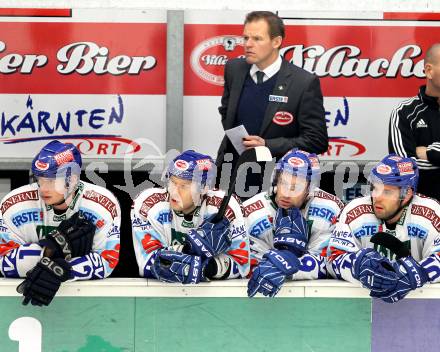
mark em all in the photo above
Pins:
pixel 414 129
pixel 279 104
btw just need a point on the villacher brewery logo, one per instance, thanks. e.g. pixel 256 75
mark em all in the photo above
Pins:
pixel 210 56
pixel 347 61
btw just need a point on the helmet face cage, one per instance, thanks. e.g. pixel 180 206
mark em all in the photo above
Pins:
pixel 300 164
pixel 396 171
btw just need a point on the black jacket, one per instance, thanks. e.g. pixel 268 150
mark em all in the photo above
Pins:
pixel 307 131
pixel 414 123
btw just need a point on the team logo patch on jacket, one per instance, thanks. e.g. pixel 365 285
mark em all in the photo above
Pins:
pixel 283 118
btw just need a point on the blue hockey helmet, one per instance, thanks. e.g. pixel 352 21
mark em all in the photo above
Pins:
pixel 299 163
pixel 397 171
pixel 57 159
pixel 193 166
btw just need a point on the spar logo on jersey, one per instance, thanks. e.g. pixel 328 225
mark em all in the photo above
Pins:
pixel 210 56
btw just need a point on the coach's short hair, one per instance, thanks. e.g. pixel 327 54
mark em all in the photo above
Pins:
pixel 275 23
pixel 430 56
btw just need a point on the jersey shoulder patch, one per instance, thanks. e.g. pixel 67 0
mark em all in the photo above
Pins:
pixel 356 208
pixel 427 208
pixel 319 193
pixel 214 198
pixel 27 193
pixel 102 197
pixel 149 198
pixel 254 204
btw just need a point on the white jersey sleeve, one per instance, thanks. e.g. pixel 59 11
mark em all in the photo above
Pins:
pixel 19 251
pixel 429 209
pixel 149 216
pixel 25 220
pixel 344 240
pixel 101 207
pixel 321 212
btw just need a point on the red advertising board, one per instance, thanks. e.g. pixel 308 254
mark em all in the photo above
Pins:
pixel 82 58
pixel 355 60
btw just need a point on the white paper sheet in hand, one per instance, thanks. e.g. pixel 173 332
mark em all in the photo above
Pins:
pixel 236 136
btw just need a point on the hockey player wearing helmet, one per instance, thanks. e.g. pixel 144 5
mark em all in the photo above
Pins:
pixel 58 228
pixel 290 226
pixel 56 169
pixel 173 236
pixel 392 207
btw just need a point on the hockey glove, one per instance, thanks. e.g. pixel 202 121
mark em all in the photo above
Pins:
pixel 374 271
pixel 291 231
pixel 72 238
pixel 209 239
pixel 411 276
pixel 172 266
pixel 43 281
pixel 268 277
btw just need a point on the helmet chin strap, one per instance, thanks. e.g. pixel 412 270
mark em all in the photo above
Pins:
pixel 396 212
pixel 66 196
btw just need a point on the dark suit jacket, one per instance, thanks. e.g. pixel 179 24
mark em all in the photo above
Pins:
pixel 308 130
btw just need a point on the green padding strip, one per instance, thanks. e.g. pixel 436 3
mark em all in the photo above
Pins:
pixel 240 324
pixel 195 324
